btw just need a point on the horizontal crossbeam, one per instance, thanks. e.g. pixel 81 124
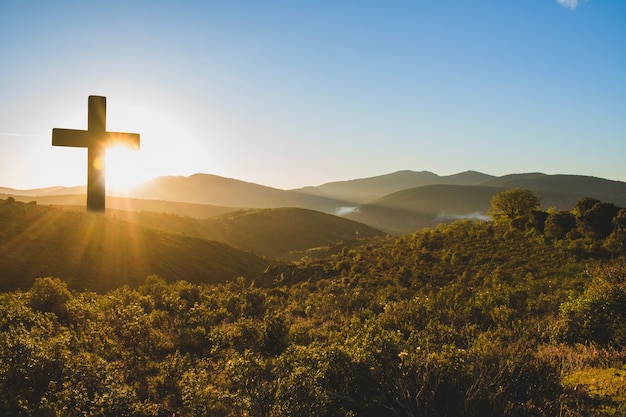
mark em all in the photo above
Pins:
pixel 86 139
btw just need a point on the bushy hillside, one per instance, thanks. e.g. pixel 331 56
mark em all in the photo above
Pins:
pixel 101 253
pixel 285 233
pixel 469 319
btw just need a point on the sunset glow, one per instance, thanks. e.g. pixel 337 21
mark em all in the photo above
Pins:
pixel 123 170
pixel 289 94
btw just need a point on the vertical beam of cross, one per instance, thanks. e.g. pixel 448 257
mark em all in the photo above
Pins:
pixel 96 139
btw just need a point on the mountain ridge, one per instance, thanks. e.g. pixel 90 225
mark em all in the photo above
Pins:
pixel 367 200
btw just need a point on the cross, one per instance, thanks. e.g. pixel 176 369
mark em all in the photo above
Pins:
pixel 96 139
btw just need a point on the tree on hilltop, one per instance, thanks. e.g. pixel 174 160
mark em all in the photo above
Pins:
pixel 597 221
pixel 559 224
pixel 513 204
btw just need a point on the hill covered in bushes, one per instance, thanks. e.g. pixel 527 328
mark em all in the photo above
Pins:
pixel 279 233
pixel 468 319
pixel 101 253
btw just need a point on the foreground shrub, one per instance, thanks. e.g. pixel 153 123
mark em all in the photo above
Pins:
pixel 599 314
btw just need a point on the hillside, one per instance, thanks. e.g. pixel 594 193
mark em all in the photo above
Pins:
pixel 100 253
pixel 127 204
pixel 285 233
pixel 469 319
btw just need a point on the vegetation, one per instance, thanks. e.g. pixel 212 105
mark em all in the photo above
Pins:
pixel 284 233
pixel 514 203
pixel 101 253
pixel 467 319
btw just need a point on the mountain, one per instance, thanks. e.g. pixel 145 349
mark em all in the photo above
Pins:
pixel 563 191
pixel 364 190
pixel 220 191
pixel 370 200
pixel 333 198
pixel 96 252
pixel 204 189
pixel 284 233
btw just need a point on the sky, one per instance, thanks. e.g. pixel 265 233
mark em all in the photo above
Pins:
pixel 296 93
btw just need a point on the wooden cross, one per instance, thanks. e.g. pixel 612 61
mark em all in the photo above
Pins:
pixel 96 139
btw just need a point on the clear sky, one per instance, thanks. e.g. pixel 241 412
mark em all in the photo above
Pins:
pixel 295 93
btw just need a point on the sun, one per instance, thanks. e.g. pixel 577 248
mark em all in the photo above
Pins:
pixel 158 154
pixel 123 169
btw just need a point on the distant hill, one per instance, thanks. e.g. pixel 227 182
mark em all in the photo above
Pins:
pixel 285 233
pixel 563 191
pixel 96 252
pixel 220 191
pixel 332 198
pixel 204 189
pixel 364 190
pixel 369 200
pixel 48 191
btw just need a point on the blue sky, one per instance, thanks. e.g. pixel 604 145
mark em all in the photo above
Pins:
pixel 295 93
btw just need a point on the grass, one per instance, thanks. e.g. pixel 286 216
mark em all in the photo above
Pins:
pixel 598 391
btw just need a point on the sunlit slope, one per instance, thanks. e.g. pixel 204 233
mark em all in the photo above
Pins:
pixel 127 204
pixel 273 233
pixel 100 252
pixel 48 191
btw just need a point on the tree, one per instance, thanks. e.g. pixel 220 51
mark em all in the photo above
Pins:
pixel 538 220
pixel 514 203
pixel 599 314
pixel 50 295
pixel 597 222
pixel 559 224
pixel 616 242
pixel 584 205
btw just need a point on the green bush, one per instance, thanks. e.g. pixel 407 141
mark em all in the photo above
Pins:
pixel 599 314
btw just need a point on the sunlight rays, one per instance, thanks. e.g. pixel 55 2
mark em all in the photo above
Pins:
pixel 124 169
pixel 94 249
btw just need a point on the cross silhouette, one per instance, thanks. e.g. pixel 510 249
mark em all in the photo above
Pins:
pixel 96 139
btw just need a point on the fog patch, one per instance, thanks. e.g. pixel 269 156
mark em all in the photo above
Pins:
pixel 477 215
pixel 343 211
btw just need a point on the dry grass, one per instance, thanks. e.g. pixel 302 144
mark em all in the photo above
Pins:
pixel 593 378
pixel 599 391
